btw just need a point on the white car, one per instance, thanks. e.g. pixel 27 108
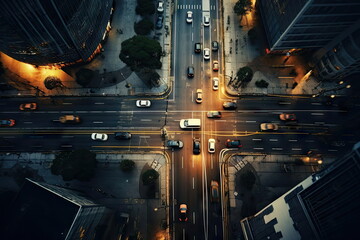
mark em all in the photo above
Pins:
pixel 211 145
pixel 215 83
pixel 189 17
pixel 206 53
pixel 206 20
pixel 160 7
pixel 143 103
pixel 99 137
pixel 199 96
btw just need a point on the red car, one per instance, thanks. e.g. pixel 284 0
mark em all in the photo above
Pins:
pixel 7 123
pixel 287 117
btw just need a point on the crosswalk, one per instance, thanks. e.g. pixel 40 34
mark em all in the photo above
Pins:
pixel 193 7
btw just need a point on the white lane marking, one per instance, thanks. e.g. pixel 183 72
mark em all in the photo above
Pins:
pixel 317 114
pixel 293 140
pixel 99 103
pixel 250 121
pixel 182 162
pixel 194 217
pixel 66 103
pixel 296 149
pixel 98 122
pixel 110 111
pixel 96 111
pixel 257 139
pixel 193 182
pixel 144 136
pixel 193 162
pixel 279 149
pixel 315 103
pixel 273 140
pixel 81 111
pixel 211 162
pixel 258 148
pixel 223 120
pixel 183 231
pixel 145 120
pixel 28 122
pixel 215 230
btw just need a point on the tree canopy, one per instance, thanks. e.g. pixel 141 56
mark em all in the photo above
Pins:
pixel 242 7
pixel 139 52
pixel 144 26
pixel 149 177
pixel 77 164
pixel 145 7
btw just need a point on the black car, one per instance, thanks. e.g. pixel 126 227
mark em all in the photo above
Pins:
pixel 122 135
pixel 190 72
pixel 159 22
pixel 229 105
pixel 233 143
pixel 196 146
pixel 214 46
pixel 197 48
pixel 174 144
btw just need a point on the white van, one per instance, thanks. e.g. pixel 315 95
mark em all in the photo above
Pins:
pixel 190 123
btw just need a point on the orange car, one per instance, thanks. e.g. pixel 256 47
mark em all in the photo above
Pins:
pixel 28 106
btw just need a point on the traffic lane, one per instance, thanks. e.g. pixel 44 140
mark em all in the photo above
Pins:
pixel 91 119
pixel 77 139
pixel 76 103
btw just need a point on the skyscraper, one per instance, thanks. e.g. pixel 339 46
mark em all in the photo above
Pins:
pixel 323 206
pixel 43 32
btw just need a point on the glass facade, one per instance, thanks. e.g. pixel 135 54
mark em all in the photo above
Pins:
pixel 43 32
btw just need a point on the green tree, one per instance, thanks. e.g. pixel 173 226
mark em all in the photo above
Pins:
pixel 127 165
pixel 145 7
pixel 144 26
pixel 150 77
pixel 244 76
pixel 77 164
pixel 84 76
pixel 242 7
pixel 139 52
pixel 149 177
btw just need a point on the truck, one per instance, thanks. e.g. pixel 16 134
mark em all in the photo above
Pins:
pixel 69 119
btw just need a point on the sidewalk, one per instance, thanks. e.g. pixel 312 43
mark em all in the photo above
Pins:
pixel 114 77
pixel 280 71
pixel 273 176
pixel 124 188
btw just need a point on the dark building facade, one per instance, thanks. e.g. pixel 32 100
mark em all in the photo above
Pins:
pixel 323 206
pixel 44 211
pixel 58 32
pixel 330 27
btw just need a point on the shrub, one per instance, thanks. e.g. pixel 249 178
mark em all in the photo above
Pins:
pixel 149 177
pixel 262 84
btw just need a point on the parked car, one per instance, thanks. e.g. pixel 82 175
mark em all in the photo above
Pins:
pixel 229 105
pixel 7 123
pixel 189 16
pixel 197 48
pixel 206 53
pixel 215 66
pixel 211 147
pixel 214 46
pixel 233 143
pixel 183 213
pixel 175 144
pixel 206 20
pixel 215 83
pixel 214 190
pixel 190 72
pixel 122 135
pixel 99 137
pixel 287 117
pixel 199 96
pixel 196 146
pixel 159 22
pixel 160 7
pixel 269 127
pixel 143 103
pixel 213 114
pixel 28 106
